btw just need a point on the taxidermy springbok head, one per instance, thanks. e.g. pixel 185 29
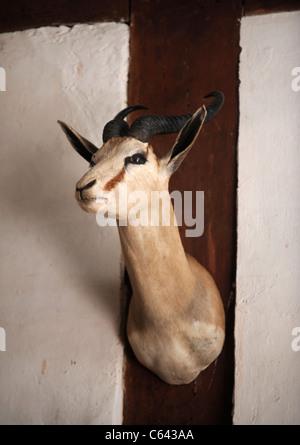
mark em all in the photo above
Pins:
pixel 176 318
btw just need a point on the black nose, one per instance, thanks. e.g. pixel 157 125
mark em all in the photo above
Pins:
pixel 85 187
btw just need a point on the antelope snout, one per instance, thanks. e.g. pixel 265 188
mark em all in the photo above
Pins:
pixel 85 187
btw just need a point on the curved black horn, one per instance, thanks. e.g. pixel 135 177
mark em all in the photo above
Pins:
pixel 145 127
pixel 117 127
pixel 215 106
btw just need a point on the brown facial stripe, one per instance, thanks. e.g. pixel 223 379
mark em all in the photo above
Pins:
pixel 115 180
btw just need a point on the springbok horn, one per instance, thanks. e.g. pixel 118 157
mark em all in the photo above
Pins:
pixel 118 127
pixel 145 127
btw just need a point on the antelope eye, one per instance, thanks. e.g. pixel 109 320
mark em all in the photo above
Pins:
pixel 137 158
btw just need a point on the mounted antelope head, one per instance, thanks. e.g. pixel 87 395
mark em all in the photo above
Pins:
pixel 176 318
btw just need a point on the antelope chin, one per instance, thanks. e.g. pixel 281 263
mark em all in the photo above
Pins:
pixel 91 204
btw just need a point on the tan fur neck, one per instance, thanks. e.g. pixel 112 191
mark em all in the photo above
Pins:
pixel 156 251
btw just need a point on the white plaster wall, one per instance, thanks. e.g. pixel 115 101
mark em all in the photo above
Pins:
pixel 60 272
pixel 267 384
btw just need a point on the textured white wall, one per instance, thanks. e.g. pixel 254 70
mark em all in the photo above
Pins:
pixel 60 272
pixel 267 384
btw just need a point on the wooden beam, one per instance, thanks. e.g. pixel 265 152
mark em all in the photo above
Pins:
pixel 24 14
pixel 181 51
pixel 252 7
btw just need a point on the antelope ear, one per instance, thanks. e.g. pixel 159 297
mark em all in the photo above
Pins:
pixel 184 141
pixel 84 147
